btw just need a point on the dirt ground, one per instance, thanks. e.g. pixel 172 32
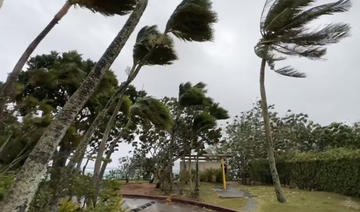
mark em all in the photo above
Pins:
pixel 142 188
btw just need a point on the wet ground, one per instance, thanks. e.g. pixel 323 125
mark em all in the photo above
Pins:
pixel 146 205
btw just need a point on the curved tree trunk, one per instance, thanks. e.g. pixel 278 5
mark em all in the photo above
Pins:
pixel 81 148
pixel 7 91
pixel 268 138
pixel 30 175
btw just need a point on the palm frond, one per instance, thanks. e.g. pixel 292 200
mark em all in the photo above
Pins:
pixel 218 112
pixel 125 105
pixel 310 52
pixel 290 72
pixel 309 15
pixel 153 110
pixel 192 21
pixel 191 95
pixel 153 47
pixel 204 121
pixel 281 13
pixel 329 34
pixel 108 7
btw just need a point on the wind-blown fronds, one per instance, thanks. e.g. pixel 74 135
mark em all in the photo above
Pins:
pixel 192 21
pixel 218 112
pixel 125 105
pixel 191 95
pixel 204 121
pixel 285 33
pixel 288 71
pixel 108 7
pixel 153 47
pixel 153 110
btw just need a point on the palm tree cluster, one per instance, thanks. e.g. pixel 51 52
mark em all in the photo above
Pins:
pixel 285 28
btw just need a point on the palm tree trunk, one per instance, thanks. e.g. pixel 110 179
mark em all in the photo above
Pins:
pixel 268 138
pixel 1 3
pixel 81 148
pixel 30 175
pixel 8 89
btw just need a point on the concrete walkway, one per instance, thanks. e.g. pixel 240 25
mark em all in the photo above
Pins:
pixel 233 192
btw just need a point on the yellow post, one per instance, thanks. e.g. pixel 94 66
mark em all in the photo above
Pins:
pixel 223 172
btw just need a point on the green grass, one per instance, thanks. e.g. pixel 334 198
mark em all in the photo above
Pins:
pixel 208 195
pixel 302 201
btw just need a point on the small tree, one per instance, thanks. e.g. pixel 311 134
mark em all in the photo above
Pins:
pixel 105 7
pixel 285 32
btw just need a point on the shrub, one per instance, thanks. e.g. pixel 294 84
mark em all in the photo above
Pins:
pixel 5 183
pixel 211 175
pixel 337 170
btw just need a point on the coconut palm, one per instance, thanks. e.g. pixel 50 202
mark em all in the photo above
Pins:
pixel 30 175
pixel 285 32
pixel 105 7
pixel 184 23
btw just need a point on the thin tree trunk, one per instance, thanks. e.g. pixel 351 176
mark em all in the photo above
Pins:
pixel 268 138
pixel 81 148
pixel 1 3
pixel 197 189
pixel 27 180
pixel 4 144
pixel 86 163
pixel 7 91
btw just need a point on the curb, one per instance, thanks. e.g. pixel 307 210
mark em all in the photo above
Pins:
pixel 182 201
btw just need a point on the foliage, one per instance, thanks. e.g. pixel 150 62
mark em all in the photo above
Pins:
pixel 192 20
pixel 211 176
pixel 153 47
pixel 108 7
pixel 285 31
pixel 5 183
pixel 154 111
pixel 68 206
pixel 336 170
pixel 291 132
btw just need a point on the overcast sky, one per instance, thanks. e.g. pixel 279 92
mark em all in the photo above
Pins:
pixel 228 65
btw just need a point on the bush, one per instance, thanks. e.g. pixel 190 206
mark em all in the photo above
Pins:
pixel 5 183
pixel 337 170
pixel 211 175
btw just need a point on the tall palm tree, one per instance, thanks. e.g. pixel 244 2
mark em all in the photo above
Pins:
pixel 285 32
pixel 105 7
pixel 30 175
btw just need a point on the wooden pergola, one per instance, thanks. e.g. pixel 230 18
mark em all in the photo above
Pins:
pixel 208 157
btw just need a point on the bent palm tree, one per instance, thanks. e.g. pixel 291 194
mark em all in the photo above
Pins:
pixel 29 177
pixel 105 7
pixel 284 33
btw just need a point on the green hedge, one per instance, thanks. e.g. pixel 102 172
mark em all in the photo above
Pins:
pixel 337 170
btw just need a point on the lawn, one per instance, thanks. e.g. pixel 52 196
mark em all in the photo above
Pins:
pixel 300 201
pixel 208 195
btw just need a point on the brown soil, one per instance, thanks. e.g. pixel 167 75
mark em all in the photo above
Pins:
pixel 142 188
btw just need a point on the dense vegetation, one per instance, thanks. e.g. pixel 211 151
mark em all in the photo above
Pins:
pixel 61 111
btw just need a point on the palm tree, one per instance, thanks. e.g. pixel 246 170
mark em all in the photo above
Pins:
pixel 285 32
pixel 105 7
pixel 30 175
pixel 1 3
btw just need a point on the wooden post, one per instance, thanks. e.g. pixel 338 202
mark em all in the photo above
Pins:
pixel 223 172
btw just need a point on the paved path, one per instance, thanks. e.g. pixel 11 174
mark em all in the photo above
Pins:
pixel 233 192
